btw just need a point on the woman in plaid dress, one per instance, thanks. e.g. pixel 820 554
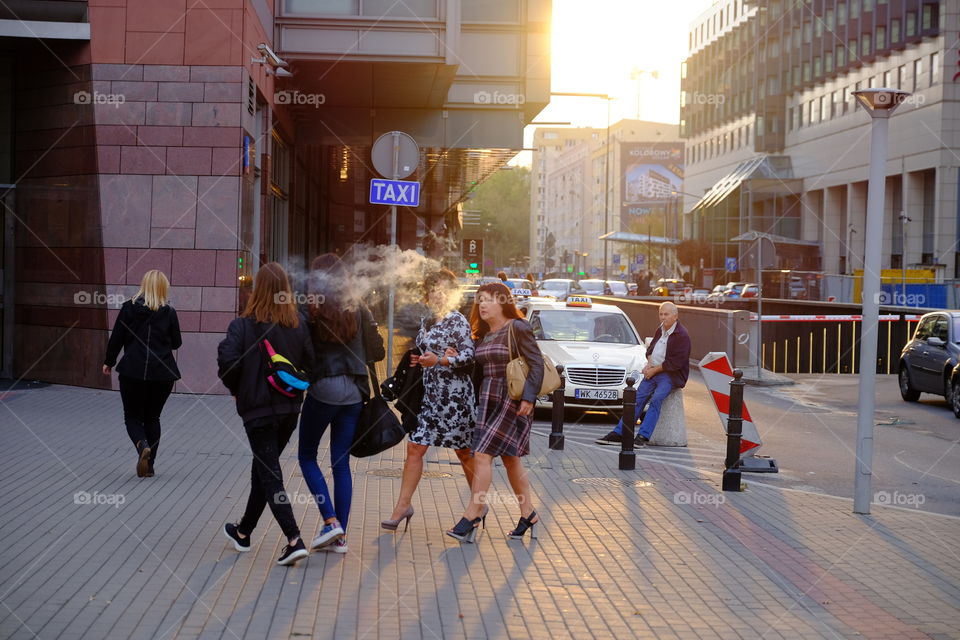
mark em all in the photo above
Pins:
pixel 503 425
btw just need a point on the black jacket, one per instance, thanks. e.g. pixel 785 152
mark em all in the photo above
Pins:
pixel 336 359
pixel 242 366
pixel 148 339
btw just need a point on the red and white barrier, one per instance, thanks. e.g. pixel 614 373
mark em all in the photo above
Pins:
pixel 718 373
pixel 829 318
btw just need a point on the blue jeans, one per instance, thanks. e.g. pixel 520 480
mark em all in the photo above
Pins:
pixel 315 417
pixel 656 389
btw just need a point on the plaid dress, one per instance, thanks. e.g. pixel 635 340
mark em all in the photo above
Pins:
pixel 500 431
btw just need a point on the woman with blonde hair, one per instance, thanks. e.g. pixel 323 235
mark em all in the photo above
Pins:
pixel 268 393
pixel 148 331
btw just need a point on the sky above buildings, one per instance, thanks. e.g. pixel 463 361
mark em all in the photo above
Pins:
pixel 597 45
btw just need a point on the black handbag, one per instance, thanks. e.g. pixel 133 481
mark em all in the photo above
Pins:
pixel 378 427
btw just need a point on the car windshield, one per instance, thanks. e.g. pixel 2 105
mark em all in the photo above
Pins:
pixel 594 287
pixel 583 326
pixel 956 330
pixel 618 287
pixel 555 285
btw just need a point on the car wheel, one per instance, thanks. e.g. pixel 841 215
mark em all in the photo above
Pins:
pixel 907 392
pixel 955 400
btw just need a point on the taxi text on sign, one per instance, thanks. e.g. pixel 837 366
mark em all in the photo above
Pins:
pixel 399 192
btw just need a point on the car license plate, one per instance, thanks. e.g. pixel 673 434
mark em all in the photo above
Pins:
pixel 596 394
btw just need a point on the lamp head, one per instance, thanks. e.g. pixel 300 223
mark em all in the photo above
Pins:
pixel 880 103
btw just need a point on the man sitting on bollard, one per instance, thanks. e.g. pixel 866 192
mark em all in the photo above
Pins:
pixel 668 367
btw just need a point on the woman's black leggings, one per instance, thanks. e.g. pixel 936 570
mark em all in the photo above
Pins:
pixel 143 401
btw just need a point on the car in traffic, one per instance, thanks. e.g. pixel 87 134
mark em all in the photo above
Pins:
pixel 597 345
pixel 928 360
pixel 671 287
pixel 618 288
pixel 593 287
pixel 749 290
pixel 560 288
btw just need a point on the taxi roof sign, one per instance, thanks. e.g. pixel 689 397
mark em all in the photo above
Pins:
pixel 579 301
pixel 521 292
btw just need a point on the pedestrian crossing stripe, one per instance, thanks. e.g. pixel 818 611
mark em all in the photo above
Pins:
pixel 717 373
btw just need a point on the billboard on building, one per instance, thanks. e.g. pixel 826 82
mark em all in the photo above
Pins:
pixel 651 181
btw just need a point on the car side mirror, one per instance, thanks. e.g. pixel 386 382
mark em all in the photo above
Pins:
pixel 934 341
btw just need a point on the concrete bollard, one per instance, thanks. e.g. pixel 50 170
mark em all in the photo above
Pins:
pixel 731 473
pixel 556 434
pixel 628 458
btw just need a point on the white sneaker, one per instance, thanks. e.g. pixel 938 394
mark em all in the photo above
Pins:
pixel 340 546
pixel 329 534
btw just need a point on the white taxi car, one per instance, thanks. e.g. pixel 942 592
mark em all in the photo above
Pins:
pixel 597 345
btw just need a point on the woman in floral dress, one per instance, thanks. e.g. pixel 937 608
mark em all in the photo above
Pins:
pixel 446 413
pixel 503 424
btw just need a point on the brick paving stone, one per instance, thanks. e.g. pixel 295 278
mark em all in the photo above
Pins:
pixel 610 562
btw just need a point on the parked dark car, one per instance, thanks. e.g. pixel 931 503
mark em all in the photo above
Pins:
pixel 955 386
pixel 929 359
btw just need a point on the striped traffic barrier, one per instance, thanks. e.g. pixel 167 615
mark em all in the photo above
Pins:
pixel 718 374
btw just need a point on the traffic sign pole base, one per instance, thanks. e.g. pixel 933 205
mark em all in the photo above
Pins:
pixel 556 441
pixel 759 465
pixel 628 461
pixel 731 480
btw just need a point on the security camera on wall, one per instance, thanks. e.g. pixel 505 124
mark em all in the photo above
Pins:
pixel 269 57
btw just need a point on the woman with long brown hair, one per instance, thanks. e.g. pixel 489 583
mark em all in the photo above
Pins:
pixel 268 399
pixel 345 340
pixel 503 424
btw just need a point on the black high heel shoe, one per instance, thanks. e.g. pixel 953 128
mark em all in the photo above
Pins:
pixel 483 516
pixel 523 525
pixel 465 530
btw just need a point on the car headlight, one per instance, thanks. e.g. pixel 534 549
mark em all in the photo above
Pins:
pixel 636 375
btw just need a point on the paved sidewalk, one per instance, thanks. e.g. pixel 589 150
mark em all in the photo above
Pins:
pixel 91 551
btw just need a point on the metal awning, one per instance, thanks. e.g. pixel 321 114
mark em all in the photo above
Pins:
pixel 751 236
pixel 766 174
pixel 639 238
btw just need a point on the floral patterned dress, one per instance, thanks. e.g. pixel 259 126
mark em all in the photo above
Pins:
pixel 446 414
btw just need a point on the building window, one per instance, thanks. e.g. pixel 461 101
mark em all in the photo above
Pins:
pixel 841 13
pixel 817 68
pixel 807 32
pixel 930 16
pixel 846 99
pixel 823 109
pixel 829 18
pixel 833 104
pixel 867 5
pixel 911 24
pixel 934 68
pixel 806 71
pixel 796 76
pixel 812 105
pixel 894 31
pixel 917 72
pixel 791 123
pixel 852 47
pixel 854 9
pixel 881 38
pixel 871 82
pixel 901 76
pixel 828 61
pixel 865 42
pixel 841 56
pixel 887 75
pixel 799 115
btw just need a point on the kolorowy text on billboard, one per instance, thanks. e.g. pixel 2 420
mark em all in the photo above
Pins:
pixel 651 186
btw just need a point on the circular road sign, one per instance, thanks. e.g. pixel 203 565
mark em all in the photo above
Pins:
pixel 382 155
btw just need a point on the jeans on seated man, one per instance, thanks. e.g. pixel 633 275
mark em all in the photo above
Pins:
pixel 667 368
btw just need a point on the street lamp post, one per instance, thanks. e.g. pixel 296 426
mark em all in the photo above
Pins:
pixel 880 104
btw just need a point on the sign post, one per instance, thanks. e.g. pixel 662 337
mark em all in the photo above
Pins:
pixel 397 155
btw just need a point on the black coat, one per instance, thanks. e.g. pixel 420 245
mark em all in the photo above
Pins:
pixel 242 367
pixel 148 339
